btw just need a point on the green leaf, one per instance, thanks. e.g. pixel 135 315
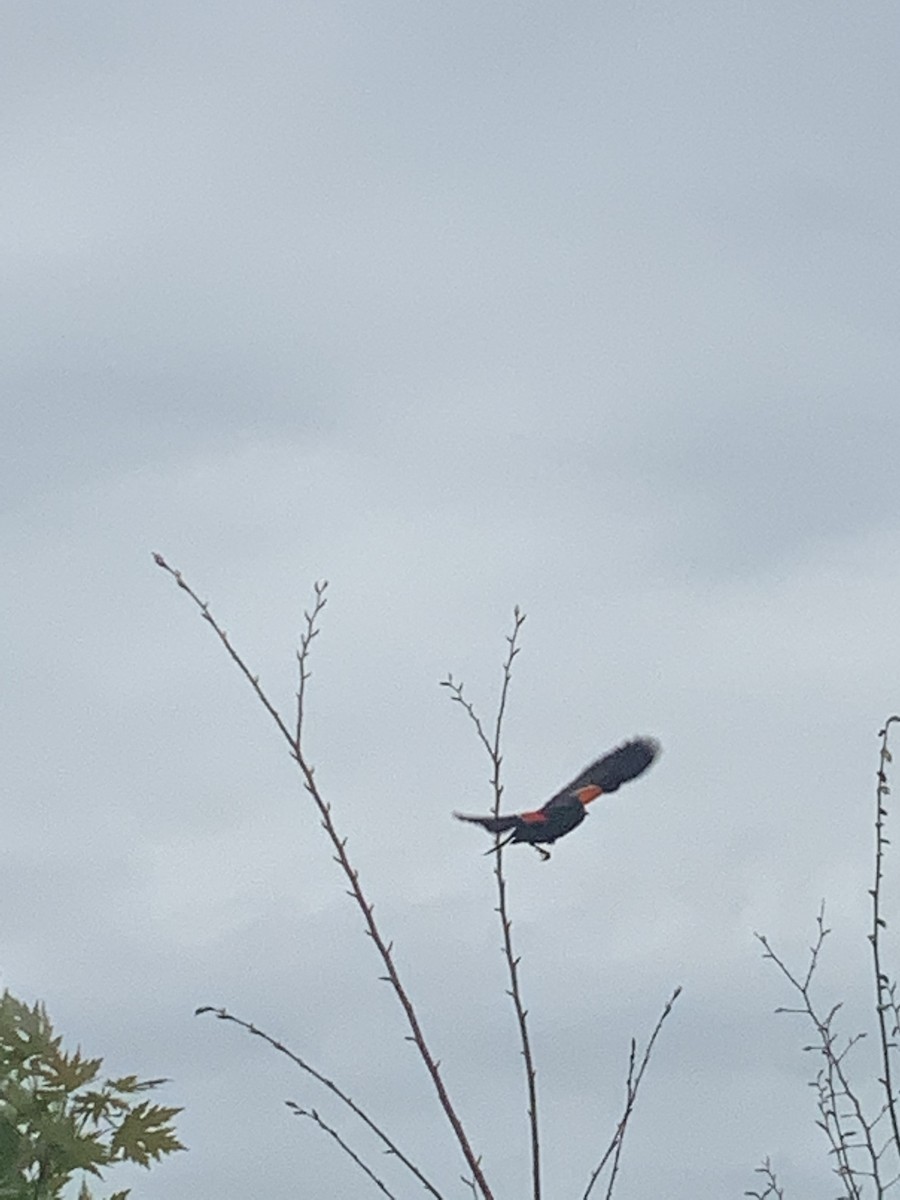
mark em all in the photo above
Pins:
pixel 71 1072
pixel 128 1083
pixel 146 1133
pixel 52 1124
pixel 10 1143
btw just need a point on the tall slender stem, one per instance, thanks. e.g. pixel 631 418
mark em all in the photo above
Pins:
pixel 512 960
pixel 339 844
pixel 882 983
pixel 492 745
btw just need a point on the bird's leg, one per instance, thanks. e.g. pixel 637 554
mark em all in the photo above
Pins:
pixel 545 854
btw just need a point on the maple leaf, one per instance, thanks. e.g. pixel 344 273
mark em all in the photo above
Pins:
pixel 145 1134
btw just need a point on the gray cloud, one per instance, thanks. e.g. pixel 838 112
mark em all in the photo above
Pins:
pixel 591 310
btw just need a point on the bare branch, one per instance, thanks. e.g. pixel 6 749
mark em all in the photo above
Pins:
pixel 512 960
pixel 619 1139
pixel 339 845
pixel 314 1116
pixel 633 1083
pixel 390 1146
pixel 306 637
pixel 884 991
pixel 220 633
pixel 772 1190
pixel 834 1091
pixel 457 694
pixel 470 1184
pixel 492 745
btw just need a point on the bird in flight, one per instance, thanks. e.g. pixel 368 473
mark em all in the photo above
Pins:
pixel 567 809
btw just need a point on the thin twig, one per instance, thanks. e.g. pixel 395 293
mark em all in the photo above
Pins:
pixel 633 1083
pixel 512 959
pixel 220 633
pixel 492 745
pixel 314 1116
pixel 620 1139
pixel 772 1188
pixel 306 637
pixel 339 845
pixel 884 992
pixel 457 695
pixel 391 1146
pixel 832 1083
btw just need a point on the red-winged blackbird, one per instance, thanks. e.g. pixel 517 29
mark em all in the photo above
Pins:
pixel 568 808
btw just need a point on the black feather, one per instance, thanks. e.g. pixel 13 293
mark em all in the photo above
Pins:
pixel 491 824
pixel 624 763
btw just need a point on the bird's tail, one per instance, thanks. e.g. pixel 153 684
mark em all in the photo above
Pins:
pixel 491 824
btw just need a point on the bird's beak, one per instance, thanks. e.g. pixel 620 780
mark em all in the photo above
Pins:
pixel 589 793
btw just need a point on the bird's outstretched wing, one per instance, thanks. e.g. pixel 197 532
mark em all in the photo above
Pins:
pixel 608 773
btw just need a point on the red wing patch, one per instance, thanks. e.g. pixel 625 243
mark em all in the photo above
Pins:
pixel 589 793
pixel 533 818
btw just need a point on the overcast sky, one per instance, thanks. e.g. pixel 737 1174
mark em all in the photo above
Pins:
pixel 590 308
